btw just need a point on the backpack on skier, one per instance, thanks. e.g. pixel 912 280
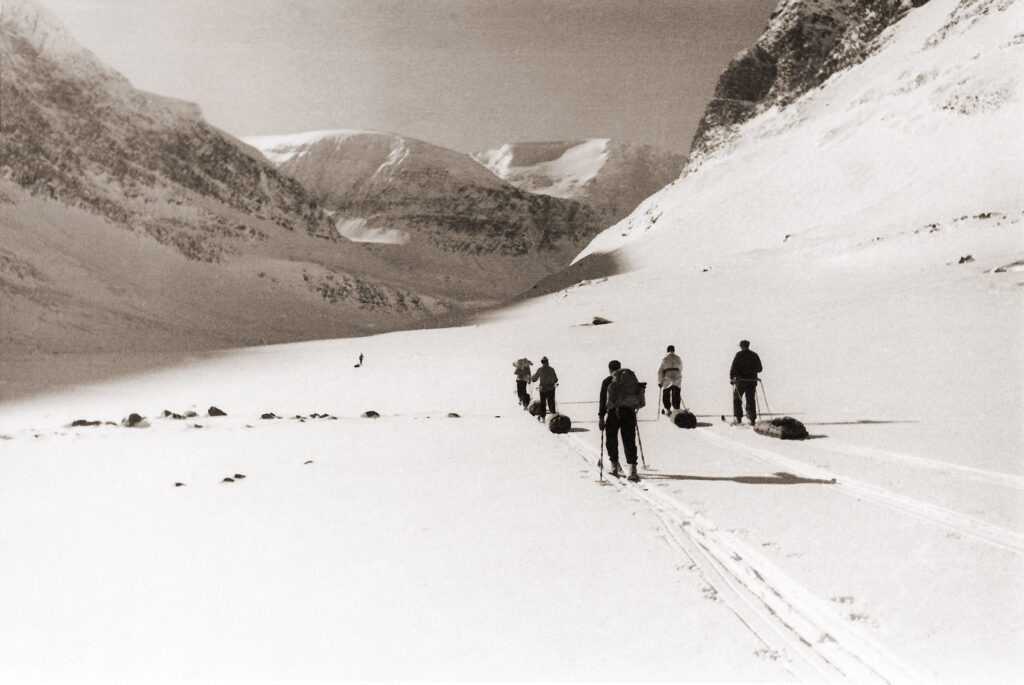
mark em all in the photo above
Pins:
pixel 626 391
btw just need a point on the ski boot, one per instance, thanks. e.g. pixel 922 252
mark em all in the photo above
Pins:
pixel 633 476
pixel 615 470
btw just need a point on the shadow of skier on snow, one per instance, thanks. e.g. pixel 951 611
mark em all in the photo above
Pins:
pixel 779 478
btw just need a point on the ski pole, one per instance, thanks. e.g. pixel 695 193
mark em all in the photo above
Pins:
pixel 769 409
pixel 641 443
pixel 600 462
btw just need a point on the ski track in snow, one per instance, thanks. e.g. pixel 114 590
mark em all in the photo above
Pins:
pixel 983 475
pixel 962 524
pixel 815 642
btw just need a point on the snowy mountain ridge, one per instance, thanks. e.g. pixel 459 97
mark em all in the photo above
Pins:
pixel 434 211
pixel 526 165
pixel 611 176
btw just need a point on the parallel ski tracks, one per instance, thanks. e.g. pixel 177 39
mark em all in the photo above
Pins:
pixel 962 524
pixel 813 641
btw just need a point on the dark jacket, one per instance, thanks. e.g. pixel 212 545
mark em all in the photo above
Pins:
pixel 545 377
pixel 745 366
pixel 603 405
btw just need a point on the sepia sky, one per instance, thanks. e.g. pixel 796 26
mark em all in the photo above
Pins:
pixel 465 74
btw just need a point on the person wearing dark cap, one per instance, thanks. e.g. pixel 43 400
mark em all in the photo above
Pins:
pixel 743 376
pixel 621 420
pixel 546 380
pixel 670 378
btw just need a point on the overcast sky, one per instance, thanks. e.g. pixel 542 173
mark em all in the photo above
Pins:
pixel 465 74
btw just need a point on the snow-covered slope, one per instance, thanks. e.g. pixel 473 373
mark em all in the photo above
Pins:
pixel 439 209
pixel 925 130
pixel 610 176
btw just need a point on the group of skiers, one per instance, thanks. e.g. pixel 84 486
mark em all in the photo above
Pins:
pixel 622 395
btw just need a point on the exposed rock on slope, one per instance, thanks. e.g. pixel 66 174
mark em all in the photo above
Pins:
pixel 806 41
pixel 431 195
pixel 76 130
pixel 609 176
pixel 434 210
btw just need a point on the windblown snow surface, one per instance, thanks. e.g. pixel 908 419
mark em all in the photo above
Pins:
pixel 888 548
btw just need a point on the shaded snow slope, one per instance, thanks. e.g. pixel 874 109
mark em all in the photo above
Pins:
pixel 610 176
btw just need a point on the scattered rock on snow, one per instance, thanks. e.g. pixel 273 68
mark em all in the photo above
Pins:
pixel 965 260
pixel 600 321
pixel 453 415
pixel 134 421
pixel 179 485
pixel 239 476
pixel 84 422
pixel 269 415
pixel 213 411
pixel 228 480
pixel 370 415
pixel 171 415
pixel 307 462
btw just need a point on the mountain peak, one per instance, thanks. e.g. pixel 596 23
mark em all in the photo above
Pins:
pixel 609 175
pixel 47 36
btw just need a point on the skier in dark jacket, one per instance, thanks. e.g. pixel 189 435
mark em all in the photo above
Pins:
pixel 546 380
pixel 621 420
pixel 743 376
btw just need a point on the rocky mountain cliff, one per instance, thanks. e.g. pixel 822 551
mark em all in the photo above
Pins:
pixel 427 194
pixel 805 42
pixel 609 176
pixel 86 160
pixel 434 213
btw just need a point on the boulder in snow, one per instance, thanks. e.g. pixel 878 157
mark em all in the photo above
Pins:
pixel 134 421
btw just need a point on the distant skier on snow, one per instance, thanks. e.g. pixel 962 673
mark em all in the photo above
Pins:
pixel 615 403
pixel 743 376
pixel 523 373
pixel 546 380
pixel 670 379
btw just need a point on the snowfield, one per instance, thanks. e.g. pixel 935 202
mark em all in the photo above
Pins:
pixel 421 546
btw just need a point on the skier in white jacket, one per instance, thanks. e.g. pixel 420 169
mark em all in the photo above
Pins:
pixel 670 379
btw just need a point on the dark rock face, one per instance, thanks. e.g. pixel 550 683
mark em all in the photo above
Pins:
pixel 435 196
pixel 76 131
pixel 214 411
pixel 804 44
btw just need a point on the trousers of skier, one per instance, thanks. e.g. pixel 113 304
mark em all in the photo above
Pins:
pixel 670 379
pixel 522 371
pixel 616 422
pixel 546 380
pixel 743 376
